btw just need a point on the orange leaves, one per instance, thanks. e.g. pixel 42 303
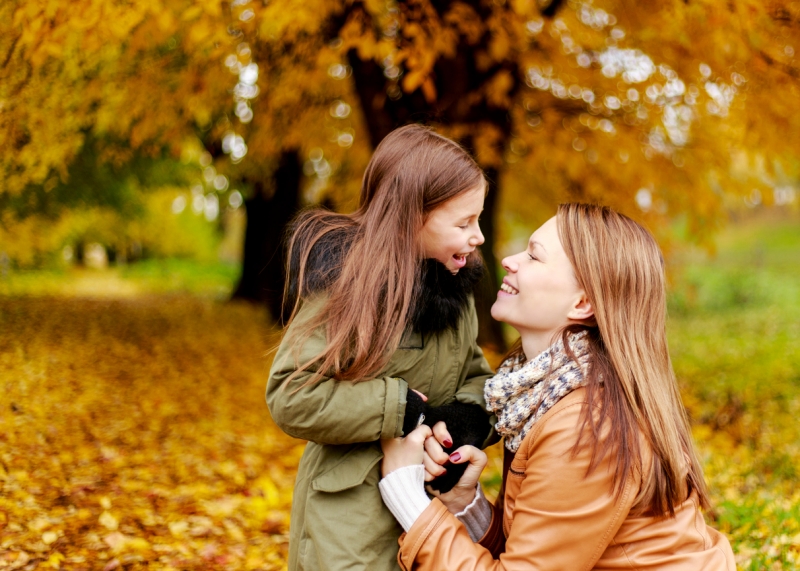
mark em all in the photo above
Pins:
pixel 154 409
pixel 498 89
pixel 487 139
pixel 463 18
pixel 191 13
pixel 285 20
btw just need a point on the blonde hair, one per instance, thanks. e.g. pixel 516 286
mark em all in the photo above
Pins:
pixel 620 267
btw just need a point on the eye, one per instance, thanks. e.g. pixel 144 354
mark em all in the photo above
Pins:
pixel 532 257
pixel 464 227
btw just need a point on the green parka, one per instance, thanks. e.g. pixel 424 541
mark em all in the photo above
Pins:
pixel 338 518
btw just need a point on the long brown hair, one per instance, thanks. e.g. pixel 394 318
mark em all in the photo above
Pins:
pixel 620 267
pixel 370 294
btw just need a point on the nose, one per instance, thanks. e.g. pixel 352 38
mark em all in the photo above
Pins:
pixel 509 264
pixel 477 239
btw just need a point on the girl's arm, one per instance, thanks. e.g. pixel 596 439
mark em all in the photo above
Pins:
pixel 402 486
pixel 330 411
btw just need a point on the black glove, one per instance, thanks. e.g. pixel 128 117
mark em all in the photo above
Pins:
pixel 466 423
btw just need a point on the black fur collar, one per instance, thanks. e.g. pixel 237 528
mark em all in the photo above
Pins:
pixel 442 297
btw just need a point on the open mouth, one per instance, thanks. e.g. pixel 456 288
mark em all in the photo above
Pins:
pixel 509 289
pixel 460 260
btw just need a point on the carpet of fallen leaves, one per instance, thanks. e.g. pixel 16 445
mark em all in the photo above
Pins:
pixel 134 434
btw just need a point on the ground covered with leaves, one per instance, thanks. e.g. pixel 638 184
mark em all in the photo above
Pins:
pixel 134 433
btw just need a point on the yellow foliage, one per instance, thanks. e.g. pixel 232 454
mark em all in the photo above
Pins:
pixel 137 432
pixel 154 74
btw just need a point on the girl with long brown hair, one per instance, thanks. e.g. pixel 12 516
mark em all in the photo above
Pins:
pixel 382 314
pixel 600 470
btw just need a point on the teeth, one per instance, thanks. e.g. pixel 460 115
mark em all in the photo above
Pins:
pixel 508 289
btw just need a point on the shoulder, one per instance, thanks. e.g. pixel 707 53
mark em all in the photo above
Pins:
pixel 559 427
pixel 557 433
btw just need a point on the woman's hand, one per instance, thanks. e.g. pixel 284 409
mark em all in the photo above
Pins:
pixel 435 456
pixel 462 494
pixel 404 451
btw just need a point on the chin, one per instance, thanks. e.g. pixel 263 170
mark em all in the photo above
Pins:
pixel 495 312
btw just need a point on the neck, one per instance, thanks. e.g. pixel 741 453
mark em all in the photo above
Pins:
pixel 534 342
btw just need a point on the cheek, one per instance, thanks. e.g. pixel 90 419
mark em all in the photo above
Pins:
pixel 428 242
pixel 446 243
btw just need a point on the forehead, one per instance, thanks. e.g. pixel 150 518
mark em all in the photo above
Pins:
pixel 546 234
pixel 467 203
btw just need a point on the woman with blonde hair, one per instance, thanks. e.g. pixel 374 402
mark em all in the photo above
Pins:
pixel 600 470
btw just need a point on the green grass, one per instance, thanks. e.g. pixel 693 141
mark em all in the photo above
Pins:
pixel 157 276
pixel 217 279
pixel 735 342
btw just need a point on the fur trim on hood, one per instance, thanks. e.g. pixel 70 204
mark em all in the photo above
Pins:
pixel 440 297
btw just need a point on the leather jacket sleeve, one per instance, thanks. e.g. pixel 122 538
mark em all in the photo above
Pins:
pixel 555 515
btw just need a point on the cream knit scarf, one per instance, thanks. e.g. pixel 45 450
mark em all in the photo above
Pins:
pixel 520 393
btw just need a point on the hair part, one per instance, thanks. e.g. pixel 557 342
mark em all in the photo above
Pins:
pixel 370 289
pixel 620 267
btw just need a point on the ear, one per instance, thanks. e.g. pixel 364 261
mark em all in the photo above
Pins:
pixel 581 309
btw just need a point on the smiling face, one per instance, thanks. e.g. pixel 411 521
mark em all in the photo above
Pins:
pixel 540 294
pixel 451 231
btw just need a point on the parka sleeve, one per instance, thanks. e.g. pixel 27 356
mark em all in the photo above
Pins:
pixel 562 517
pixel 330 411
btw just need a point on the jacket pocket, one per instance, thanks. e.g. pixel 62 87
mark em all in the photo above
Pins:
pixel 349 468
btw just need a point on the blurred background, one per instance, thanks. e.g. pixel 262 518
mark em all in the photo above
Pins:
pixel 154 152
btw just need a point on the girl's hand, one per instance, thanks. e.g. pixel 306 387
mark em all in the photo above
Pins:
pixel 404 451
pixel 464 491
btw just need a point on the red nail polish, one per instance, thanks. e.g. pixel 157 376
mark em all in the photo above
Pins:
pixel 455 456
pixel 447 443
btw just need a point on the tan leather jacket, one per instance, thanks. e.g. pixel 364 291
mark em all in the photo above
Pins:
pixel 555 517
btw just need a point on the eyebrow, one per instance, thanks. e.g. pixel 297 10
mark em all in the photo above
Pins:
pixel 468 216
pixel 532 243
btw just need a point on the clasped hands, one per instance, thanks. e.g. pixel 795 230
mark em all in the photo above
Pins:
pixel 425 446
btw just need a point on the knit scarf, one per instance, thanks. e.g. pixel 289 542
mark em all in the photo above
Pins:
pixel 522 392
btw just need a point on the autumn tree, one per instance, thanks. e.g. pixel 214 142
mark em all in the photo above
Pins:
pixel 662 111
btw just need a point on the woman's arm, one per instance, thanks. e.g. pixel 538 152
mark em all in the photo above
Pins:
pixel 562 518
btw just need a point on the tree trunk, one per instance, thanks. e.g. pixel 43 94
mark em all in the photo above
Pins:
pixel 459 80
pixel 268 215
pixel 490 332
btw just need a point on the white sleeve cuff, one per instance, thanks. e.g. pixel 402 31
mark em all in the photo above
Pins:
pixel 477 516
pixel 403 492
